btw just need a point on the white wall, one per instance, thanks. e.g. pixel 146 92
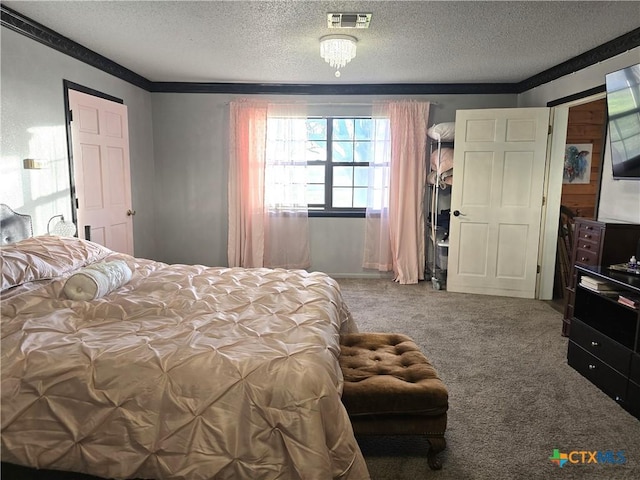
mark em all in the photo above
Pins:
pixel 619 199
pixel 33 126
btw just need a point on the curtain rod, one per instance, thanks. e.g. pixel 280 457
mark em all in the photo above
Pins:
pixel 347 103
pixel 324 104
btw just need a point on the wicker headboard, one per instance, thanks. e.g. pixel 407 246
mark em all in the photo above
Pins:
pixel 13 226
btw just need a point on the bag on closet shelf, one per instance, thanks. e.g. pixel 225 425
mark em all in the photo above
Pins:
pixel 442 163
pixel 445 132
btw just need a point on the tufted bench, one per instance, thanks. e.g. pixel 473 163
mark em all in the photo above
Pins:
pixel 390 388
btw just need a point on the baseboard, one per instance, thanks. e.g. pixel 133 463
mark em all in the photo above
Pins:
pixel 361 276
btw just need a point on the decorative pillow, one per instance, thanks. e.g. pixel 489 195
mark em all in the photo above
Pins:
pixel 97 280
pixel 445 132
pixel 45 257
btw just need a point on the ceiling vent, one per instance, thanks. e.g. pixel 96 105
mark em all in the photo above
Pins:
pixel 348 20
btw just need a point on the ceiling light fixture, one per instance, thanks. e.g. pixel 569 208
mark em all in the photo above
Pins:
pixel 338 50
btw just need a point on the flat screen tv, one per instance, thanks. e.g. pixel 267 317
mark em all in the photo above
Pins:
pixel 623 108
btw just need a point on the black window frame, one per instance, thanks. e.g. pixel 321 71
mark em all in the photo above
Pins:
pixel 315 210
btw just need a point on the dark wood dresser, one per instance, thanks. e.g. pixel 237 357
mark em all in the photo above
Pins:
pixel 604 344
pixel 597 244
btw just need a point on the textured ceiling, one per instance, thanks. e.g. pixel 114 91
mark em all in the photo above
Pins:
pixel 278 41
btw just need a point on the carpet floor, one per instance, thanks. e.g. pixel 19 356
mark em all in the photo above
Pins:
pixel 512 397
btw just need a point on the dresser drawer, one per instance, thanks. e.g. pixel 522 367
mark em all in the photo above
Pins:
pixel 597 372
pixel 591 233
pixel 587 257
pixel 588 245
pixel 602 347
pixel 633 399
pixel 634 375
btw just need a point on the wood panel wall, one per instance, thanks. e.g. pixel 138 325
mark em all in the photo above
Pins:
pixel 586 125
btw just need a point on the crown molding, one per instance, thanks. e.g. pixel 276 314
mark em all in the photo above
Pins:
pixel 336 89
pixel 607 50
pixel 34 30
pixel 578 96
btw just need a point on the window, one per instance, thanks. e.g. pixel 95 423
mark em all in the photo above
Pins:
pixel 331 161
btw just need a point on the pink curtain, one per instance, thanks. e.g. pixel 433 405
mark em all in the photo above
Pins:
pixel 377 245
pixel 406 183
pixel 247 147
pixel 268 225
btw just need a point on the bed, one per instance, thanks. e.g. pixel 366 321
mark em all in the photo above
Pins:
pixel 183 372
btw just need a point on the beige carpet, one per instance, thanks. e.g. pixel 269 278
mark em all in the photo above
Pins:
pixel 512 397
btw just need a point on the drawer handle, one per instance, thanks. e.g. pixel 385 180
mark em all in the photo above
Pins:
pixel 592 367
pixel 587 236
pixel 583 259
pixel 595 344
pixel 586 247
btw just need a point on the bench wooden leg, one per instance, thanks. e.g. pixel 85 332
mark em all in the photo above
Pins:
pixel 436 445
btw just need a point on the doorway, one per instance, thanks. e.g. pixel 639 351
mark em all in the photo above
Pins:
pixel 586 128
pixel 551 201
pixel 494 236
pixel 98 140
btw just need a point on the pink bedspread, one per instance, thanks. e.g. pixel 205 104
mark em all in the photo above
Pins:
pixel 185 372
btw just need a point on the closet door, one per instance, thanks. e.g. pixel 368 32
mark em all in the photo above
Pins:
pixel 496 201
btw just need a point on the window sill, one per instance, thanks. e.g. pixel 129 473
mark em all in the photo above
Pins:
pixel 337 214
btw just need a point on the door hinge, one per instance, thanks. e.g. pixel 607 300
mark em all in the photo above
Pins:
pixel 538 269
pixel 77 203
pixel 544 201
pixel 550 130
pixel 71 115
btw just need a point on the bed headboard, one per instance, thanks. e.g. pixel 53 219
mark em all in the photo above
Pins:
pixel 13 226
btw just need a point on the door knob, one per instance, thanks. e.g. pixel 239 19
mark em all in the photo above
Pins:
pixel 456 213
pixel 130 213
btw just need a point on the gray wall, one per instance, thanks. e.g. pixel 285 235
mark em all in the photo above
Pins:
pixel 33 126
pixel 179 151
pixel 191 160
pixel 619 199
pixel 186 179
pixel 191 145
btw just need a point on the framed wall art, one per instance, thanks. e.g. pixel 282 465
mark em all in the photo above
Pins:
pixel 577 163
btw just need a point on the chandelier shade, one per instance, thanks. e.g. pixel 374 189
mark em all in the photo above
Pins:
pixel 338 50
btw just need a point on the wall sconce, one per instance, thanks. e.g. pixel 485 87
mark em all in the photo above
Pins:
pixel 61 228
pixel 32 164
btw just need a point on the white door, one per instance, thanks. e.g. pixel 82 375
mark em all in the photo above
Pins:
pixel 496 201
pixel 100 138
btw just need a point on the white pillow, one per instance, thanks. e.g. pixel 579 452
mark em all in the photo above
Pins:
pixel 97 280
pixel 445 132
pixel 45 257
